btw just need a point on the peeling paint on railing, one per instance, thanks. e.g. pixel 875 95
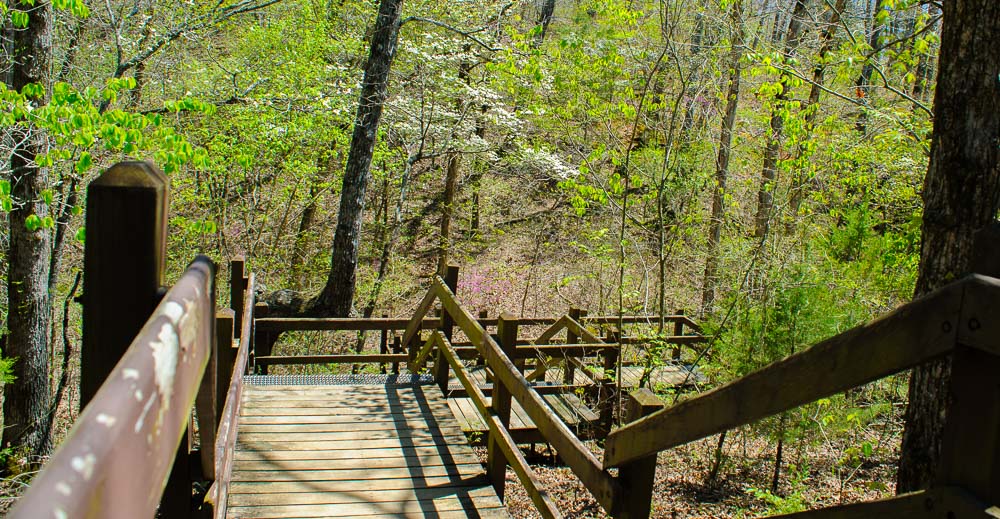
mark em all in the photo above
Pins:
pixel 116 460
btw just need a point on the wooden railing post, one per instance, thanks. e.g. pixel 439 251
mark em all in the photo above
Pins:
pixel 123 265
pixel 638 476
pixel 208 409
pixel 397 347
pixel 263 340
pixel 447 327
pixel 483 315
pixel 970 447
pixel 608 386
pixel 237 292
pixel 569 371
pixel 383 345
pixel 678 331
pixel 225 331
pixel 496 464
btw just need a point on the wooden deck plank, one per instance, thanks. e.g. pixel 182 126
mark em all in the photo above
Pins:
pixel 403 418
pixel 569 407
pixel 355 451
pixel 358 463
pixel 375 476
pixel 293 426
pixel 415 508
pixel 388 443
pixel 444 450
pixel 326 404
pixel 349 435
pixel 288 487
pixel 363 496
pixel 341 411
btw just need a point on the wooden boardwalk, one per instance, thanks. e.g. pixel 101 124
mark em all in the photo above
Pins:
pixel 354 451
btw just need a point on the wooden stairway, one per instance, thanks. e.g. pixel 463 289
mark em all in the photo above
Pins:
pixel 376 450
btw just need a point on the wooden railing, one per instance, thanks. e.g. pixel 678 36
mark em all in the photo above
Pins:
pixel 225 443
pixel 510 382
pixel 129 453
pixel 955 320
pixel 118 456
pixel 958 320
pixel 392 346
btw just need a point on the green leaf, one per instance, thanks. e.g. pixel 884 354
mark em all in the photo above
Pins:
pixel 6 205
pixel 47 196
pixel 81 235
pixel 4 188
pixel 866 448
pixel 48 222
pixel 19 19
pixel 84 163
pixel 33 222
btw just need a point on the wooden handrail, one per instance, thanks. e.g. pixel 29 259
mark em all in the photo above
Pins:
pixel 363 358
pixel 225 446
pixel 287 324
pixel 604 487
pixel 391 323
pixel 915 333
pixel 543 503
pixel 923 504
pixel 120 451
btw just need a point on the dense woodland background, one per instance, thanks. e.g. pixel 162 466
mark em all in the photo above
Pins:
pixel 756 163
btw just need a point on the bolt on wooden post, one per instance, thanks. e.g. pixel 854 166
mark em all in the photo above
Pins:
pixel 123 265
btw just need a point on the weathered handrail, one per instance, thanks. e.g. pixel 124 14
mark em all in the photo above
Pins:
pixel 902 339
pixel 118 456
pixel 605 488
pixel 288 324
pixel 957 320
pixel 225 445
pixel 383 323
pixel 498 431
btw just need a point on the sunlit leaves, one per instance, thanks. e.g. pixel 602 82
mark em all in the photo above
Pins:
pixel 34 222
pixel 5 199
pixel 19 19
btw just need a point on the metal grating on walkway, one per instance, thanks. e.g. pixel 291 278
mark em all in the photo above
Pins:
pixel 365 379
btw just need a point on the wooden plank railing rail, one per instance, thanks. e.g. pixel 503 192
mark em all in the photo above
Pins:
pixel 150 355
pixel 606 488
pixel 958 320
pixel 387 323
pixel 225 445
pixel 118 456
pixel 499 433
pixel 952 321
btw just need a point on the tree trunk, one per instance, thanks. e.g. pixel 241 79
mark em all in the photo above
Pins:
pixel 544 18
pixel 26 401
pixel 961 196
pixel 811 108
pixel 722 162
pixel 338 294
pixel 447 210
pixel 863 89
pixel 925 65
pixel 769 171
